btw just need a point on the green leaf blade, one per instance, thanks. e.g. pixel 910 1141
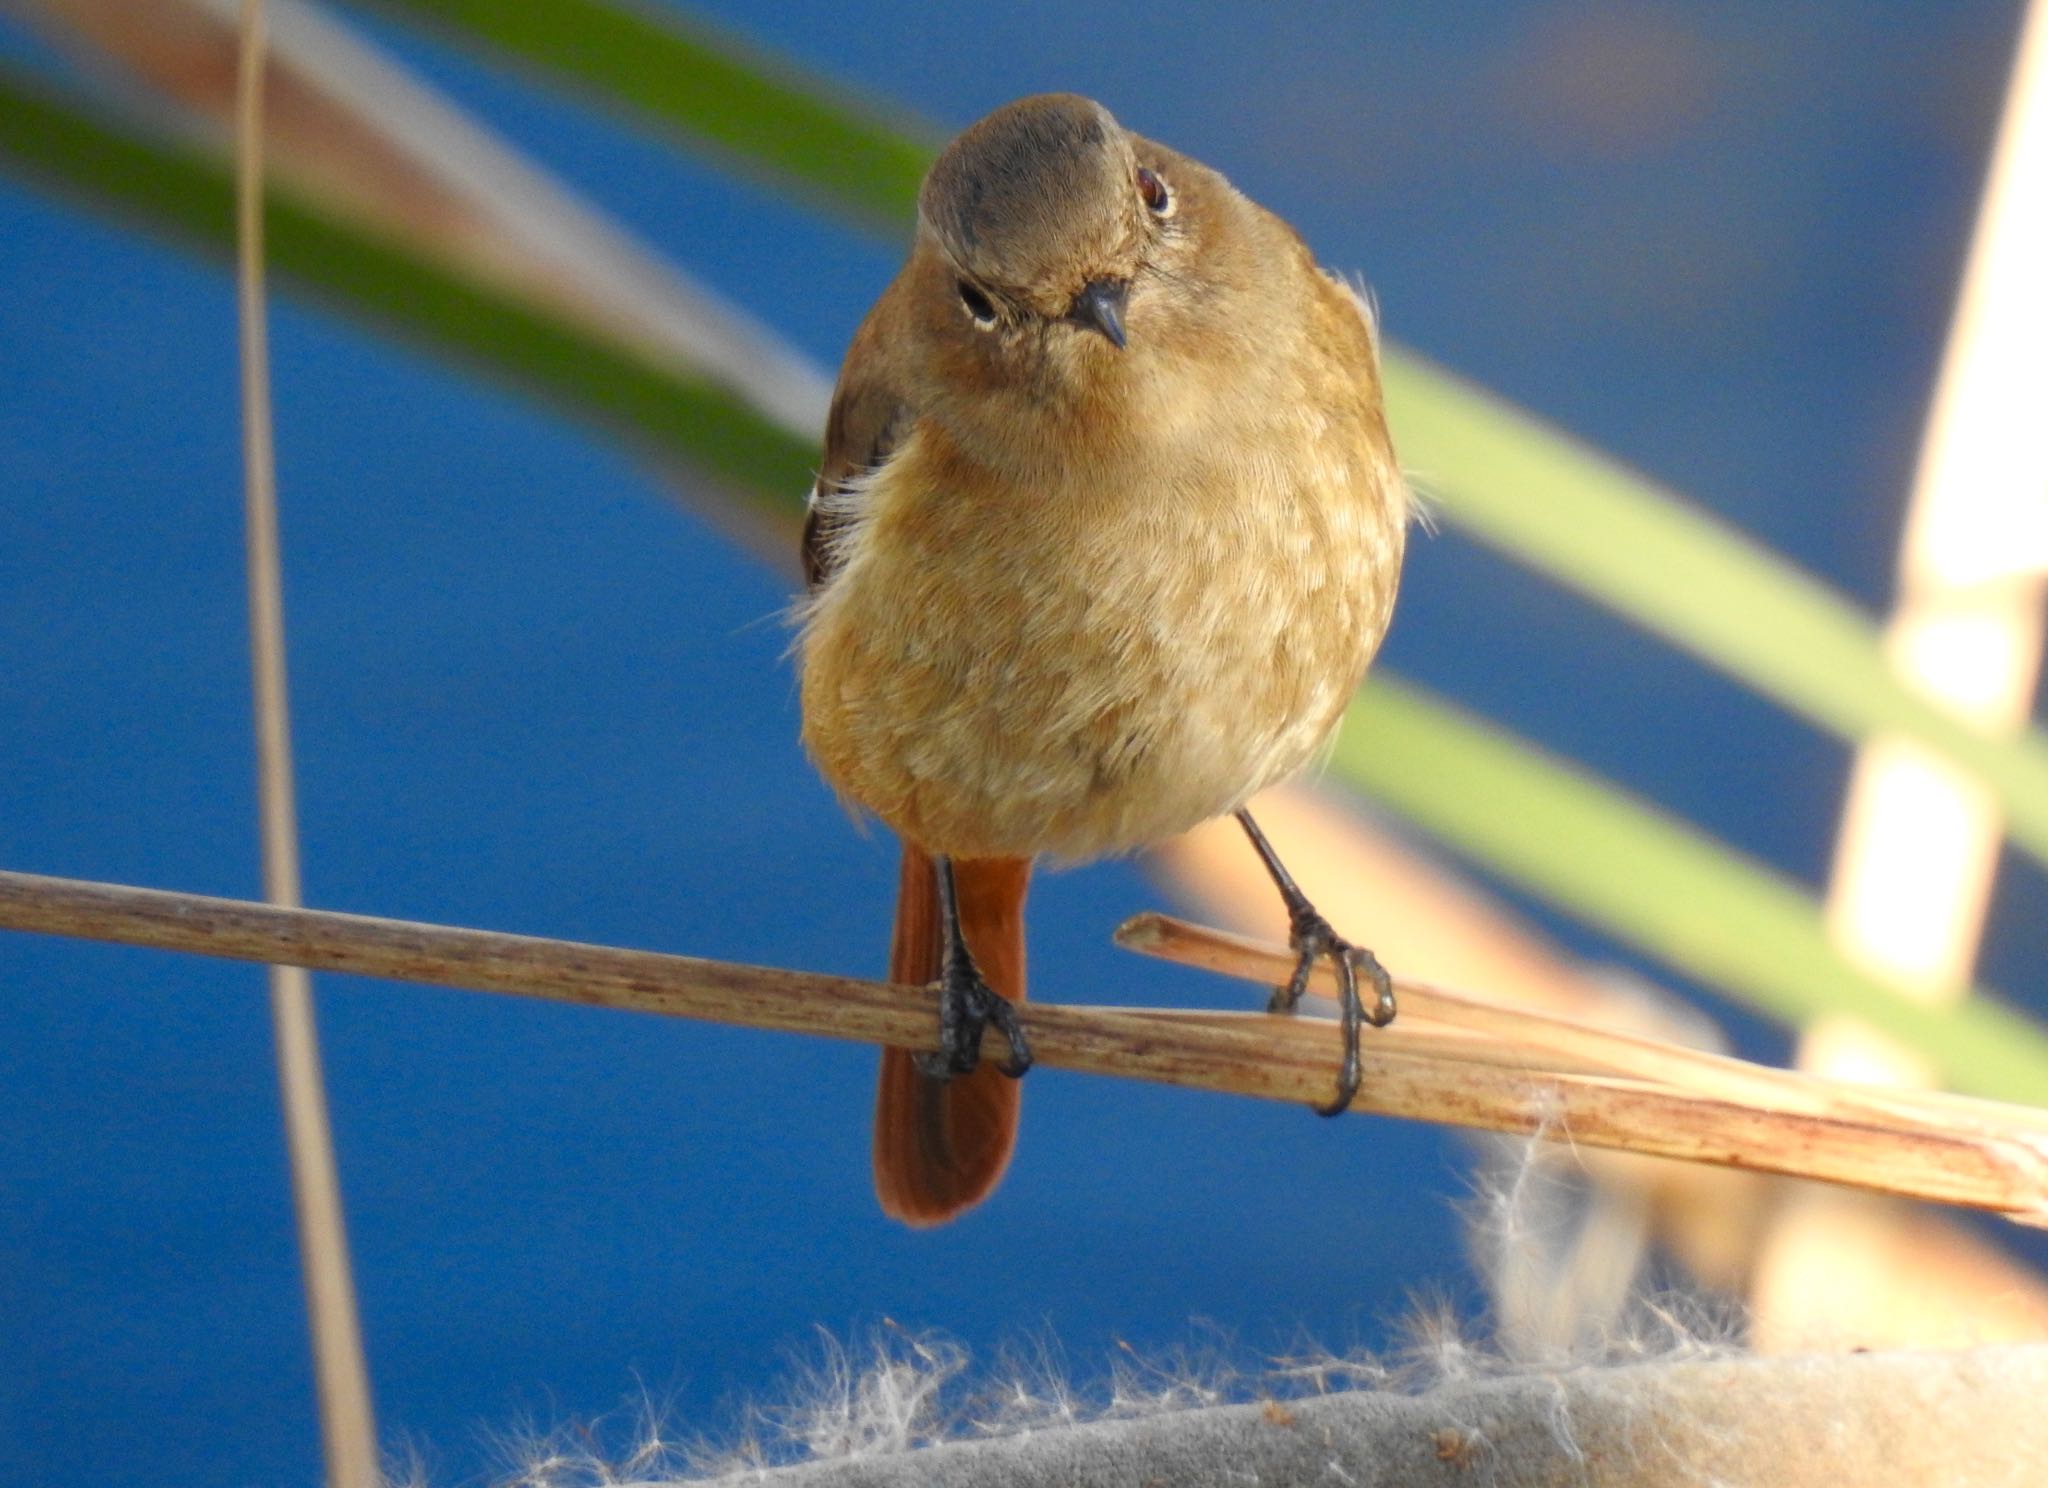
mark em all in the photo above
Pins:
pixel 1654 882
pixel 1551 502
pixel 691 79
pixel 189 196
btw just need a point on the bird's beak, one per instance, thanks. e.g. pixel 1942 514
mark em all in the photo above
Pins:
pixel 1100 307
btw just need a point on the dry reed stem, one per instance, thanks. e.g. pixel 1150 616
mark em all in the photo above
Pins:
pixel 1421 1076
pixel 1548 1042
pixel 1937 1282
pixel 340 1368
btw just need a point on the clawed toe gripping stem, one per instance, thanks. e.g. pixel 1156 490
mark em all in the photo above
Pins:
pixel 1311 938
pixel 967 1004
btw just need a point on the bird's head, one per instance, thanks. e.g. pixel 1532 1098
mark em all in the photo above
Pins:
pixel 1056 226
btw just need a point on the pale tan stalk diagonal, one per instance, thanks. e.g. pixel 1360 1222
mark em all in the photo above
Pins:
pixel 1920 840
pixel 341 1375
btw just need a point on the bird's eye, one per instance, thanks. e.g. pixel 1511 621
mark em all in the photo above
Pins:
pixel 1152 187
pixel 978 305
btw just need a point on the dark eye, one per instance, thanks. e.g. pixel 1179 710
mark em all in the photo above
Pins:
pixel 978 305
pixel 1152 187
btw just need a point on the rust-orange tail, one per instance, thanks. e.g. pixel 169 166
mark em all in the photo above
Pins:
pixel 941 1145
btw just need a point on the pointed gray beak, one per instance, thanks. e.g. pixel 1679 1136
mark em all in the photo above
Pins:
pixel 1100 307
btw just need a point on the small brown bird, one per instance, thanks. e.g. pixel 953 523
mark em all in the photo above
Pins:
pixel 1107 530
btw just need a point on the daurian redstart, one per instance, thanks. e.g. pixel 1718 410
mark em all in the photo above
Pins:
pixel 1107 530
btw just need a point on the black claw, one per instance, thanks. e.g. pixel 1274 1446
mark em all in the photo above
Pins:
pixel 1382 988
pixel 967 1005
pixel 1004 1016
pixel 1312 939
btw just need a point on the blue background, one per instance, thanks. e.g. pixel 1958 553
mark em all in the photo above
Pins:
pixel 532 693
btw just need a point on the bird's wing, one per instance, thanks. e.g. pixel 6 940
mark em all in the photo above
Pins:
pixel 869 415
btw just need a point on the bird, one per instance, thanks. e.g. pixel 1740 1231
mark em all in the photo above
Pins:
pixel 1107 529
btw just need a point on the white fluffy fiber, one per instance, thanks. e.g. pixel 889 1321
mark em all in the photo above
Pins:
pixel 1582 1380
pixel 908 1415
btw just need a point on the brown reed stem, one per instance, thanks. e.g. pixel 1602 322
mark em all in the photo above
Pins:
pixel 1415 1075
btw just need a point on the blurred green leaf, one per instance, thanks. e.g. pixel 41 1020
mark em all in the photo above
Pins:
pixel 189 196
pixel 686 77
pixel 1561 507
pixel 1657 883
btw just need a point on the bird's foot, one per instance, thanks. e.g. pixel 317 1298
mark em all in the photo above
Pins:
pixel 1311 940
pixel 967 1005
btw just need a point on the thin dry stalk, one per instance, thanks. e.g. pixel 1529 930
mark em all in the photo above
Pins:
pixel 348 1429
pixel 1512 1035
pixel 1250 1054
pixel 1933 1281
pixel 1475 1029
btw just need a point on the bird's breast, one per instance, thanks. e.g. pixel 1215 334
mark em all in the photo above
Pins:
pixel 1102 655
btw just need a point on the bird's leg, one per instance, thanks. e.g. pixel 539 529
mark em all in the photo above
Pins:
pixel 1312 938
pixel 967 1004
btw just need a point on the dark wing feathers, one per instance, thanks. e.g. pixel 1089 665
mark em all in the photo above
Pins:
pixel 869 414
